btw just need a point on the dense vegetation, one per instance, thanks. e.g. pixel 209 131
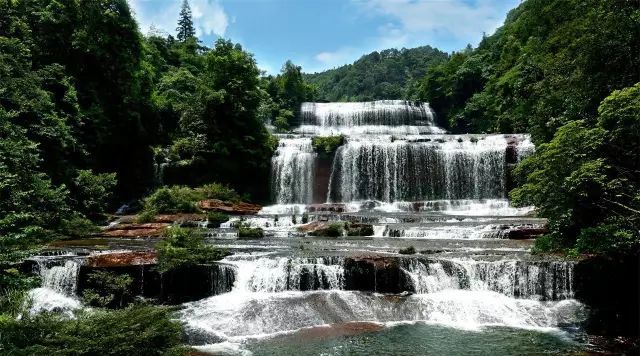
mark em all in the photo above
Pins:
pixel 566 72
pixel 388 74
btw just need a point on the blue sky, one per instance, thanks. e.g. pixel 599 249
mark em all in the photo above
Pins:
pixel 322 34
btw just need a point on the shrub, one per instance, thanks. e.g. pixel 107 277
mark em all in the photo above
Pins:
pixel 359 229
pixel 215 218
pixel 137 330
pixel 169 200
pixel 218 191
pixel 547 243
pixel 246 232
pixel 333 230
pixel 78 226
pixel 182 247
pixel 108 289
pixel 407 251
pixel 92 191
pixel 146 216
pixel 327 144
pixel 606 239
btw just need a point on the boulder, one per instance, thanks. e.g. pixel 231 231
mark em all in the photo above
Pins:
pixel 322 229
pixel 376 274
pixel 135 230
pixel 227 207
pixel 120 259
pixel 329 207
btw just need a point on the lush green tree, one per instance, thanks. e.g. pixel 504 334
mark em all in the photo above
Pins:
pixel 185 28
pixel 586 180
pixel 388 74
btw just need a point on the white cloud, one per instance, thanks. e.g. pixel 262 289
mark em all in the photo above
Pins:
pixel 428 19
pixel 209 16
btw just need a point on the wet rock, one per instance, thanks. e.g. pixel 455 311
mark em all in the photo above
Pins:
pixel 135 230
pixel 334 208
pixel 120 259
pixel 525 232
pixel 610 286
pixel 376 274
pixel 322 229
pixel 354 229
pixel 231 208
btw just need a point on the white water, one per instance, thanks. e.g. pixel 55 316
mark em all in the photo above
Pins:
pixel 59 287
pixel 292 171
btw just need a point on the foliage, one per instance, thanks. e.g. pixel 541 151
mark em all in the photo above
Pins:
pixel 219 191
pixel 585 180
pixel 185 28
pixel 170 200
pixel 327 144
pixel 93 192
pixel 78 226
pixel 107 289
pixel 182 247
pixel 246 232
pixel 358 229
pixel 407 251
pixel 333 230
pixel 214 218
pixel 139 330
pixel 388 74
pixel 542 69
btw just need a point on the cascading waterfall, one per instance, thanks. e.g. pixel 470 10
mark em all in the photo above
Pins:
pixel 292 171
pixel 62 279
pixel 531 280
pixel 59 286
pixel 389 169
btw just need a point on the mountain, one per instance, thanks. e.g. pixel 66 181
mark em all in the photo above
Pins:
pixel 387 74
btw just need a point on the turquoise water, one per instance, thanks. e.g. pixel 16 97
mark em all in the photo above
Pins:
pixel 423 339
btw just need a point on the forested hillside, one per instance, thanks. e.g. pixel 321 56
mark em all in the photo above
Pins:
pixel 566 72
pixel 387 74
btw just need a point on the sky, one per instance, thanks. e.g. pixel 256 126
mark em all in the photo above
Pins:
pixel 324 34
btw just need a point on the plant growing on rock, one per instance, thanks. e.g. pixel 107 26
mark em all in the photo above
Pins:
pixel 246 232
pixel 407 251
pixel 182 247
pixel 214 218
pixel 327 144
pixel 108 289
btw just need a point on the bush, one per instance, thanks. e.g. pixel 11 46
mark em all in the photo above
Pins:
pixel 246 232
pixel 182 247
pixel 359 229
pixel 547 243
pixel 137 330
pixel 407 251
pixel 333 230
pixel 146 216
pixel 606 239
pixel 327 144
pixel 78 226
pixel 215 218
pixel 108 289
pixel 218 191
pixel 92 191
pixel 170 200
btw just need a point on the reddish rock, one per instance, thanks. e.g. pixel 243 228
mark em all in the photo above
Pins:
pixel 121 259
pixel 330 207
pixel 179 218
pixel 524 233
pixel 227 207
pixel 135 230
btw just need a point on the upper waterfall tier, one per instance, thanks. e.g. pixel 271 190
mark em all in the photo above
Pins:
pixel 375 117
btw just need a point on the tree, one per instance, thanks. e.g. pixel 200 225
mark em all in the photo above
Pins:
pixel 185 27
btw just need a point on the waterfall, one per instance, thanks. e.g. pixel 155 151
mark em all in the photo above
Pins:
pixel 223 276
pixel 531 280
pixel 59 286
pixel 390 169
pixel 62 279
pixel 288 273
pixel 292 171
pixel 375 117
